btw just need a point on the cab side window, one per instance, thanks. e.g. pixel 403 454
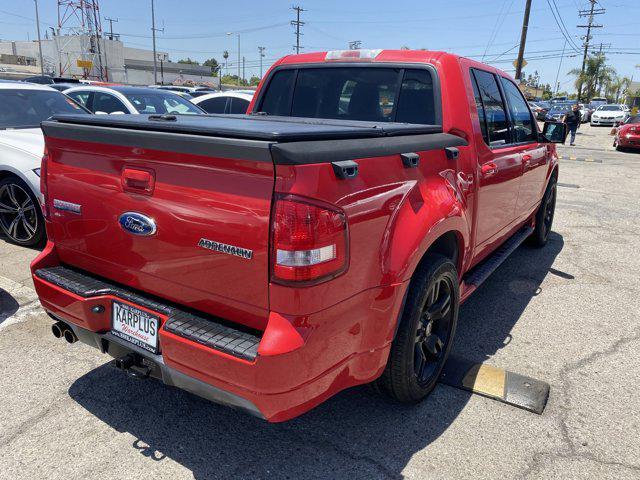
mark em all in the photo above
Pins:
pixel 214 105
pixel 107 103
pixel 495 113
pixel 522 123
pixel 480 108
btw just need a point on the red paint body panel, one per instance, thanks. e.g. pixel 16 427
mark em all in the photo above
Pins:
pixel 197 197
pixel 628 136
pixel 320 339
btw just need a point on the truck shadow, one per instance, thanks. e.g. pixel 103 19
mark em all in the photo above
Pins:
pixel 356 434
pixel 8 305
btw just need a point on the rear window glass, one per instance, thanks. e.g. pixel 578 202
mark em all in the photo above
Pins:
pixel 24 108
pixel 353 93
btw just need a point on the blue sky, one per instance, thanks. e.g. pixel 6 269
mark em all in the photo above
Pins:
pixel 197 28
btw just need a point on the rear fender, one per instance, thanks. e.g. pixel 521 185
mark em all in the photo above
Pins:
pixel 431 209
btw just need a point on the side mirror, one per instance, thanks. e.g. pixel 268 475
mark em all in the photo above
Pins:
pixel 554 132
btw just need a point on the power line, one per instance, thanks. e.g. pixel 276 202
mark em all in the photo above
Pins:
pixel 297 23
pixel 561 25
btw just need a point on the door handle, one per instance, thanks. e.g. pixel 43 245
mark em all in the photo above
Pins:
pixel 527 158
pixel 138 181
pixel 489 169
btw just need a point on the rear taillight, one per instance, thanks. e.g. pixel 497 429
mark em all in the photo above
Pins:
pixel 309 241
pixel 44 197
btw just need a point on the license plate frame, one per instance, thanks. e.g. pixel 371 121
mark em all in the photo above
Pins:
pixel 135 325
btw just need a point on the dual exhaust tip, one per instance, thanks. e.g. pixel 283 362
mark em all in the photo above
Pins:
pixel 62 330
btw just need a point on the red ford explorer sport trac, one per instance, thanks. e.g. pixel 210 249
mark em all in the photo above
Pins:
pixel 323 240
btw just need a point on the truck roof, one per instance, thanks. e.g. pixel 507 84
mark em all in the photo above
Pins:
pixel 252 127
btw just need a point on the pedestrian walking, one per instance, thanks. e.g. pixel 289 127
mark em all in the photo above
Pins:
pixel 572 118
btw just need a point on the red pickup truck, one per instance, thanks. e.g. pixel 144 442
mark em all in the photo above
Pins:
pixel 325 240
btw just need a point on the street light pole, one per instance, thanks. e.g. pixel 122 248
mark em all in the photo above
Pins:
pixel 155 59
pixel 39 39
pixel 229 34
pixel 261 50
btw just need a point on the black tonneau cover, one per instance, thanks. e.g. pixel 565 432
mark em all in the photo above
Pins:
pixel 252 127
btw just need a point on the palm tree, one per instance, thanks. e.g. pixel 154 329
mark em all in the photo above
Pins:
pixel 596 74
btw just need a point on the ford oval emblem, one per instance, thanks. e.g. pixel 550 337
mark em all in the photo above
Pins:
pixel 137 223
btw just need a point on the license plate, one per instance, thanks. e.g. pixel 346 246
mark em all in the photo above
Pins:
pixel 135 326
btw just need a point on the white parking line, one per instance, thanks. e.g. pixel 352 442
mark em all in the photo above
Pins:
pixel 12 295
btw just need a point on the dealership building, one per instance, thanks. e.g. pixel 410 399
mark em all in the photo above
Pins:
pixel 66 55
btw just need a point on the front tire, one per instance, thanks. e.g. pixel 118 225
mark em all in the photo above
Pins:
pixel 545 214
pixel 425 333
pixel 20 216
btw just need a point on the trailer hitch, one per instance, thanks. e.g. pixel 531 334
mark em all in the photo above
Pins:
pixel 133 366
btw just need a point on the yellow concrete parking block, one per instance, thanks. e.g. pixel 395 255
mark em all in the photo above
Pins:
pixel 496 383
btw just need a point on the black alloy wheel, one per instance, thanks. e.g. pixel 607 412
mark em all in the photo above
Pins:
pixel 433 331
pixel 425 333
pixel 544 215
pixel 20 217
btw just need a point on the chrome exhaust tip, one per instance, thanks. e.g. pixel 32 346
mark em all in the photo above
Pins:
pixel 70 336
pixel 58 329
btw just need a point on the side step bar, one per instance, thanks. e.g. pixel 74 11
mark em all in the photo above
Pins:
pixel 478 274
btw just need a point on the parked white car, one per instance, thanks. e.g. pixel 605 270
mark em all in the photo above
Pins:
pixel 225 102
pixel 131 100
pixel 22 107
pixel 611 114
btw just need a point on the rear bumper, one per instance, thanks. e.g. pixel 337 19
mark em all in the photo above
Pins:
pixel 298 363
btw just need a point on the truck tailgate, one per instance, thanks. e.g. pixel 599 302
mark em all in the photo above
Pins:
pixel 183 217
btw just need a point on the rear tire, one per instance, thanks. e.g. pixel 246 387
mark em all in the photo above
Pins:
pixel 425 333
pixel 544 215
pixel 20 216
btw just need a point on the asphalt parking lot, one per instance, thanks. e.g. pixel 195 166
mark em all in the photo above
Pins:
pixel 566 314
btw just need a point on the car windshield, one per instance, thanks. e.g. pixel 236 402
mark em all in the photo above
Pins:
pixel 561 107
pixel 609 108
pixel 162 102
pixel 634 119
pixel 23 108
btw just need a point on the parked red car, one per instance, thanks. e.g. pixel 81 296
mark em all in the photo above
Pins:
pixel 326 240
pixel 628 134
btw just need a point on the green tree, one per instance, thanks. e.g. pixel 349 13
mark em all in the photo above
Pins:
pixel 254 80
pixel 595 76
pixel 233 80
pixel 213 63
pixel 188 61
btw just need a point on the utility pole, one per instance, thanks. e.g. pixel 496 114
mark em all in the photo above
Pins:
pixel 523 39
pixel 355 45
pixel 261 50
pixel 297 23
pixel 111 20
pixel 155 55
pixel 590 14
pixel 39 39
pixel 243 75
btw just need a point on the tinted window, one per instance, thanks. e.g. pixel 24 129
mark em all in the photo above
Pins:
pixel 107 103
pixel 522 122
pixel 276 98
pixel 214 105
pixel 634 119
pixel 416 102
pixel 161 103
pixel 346 93
pixel 494 111
pixel 480 108
pixel 238 105
pixel 81 97
pixel 27 108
